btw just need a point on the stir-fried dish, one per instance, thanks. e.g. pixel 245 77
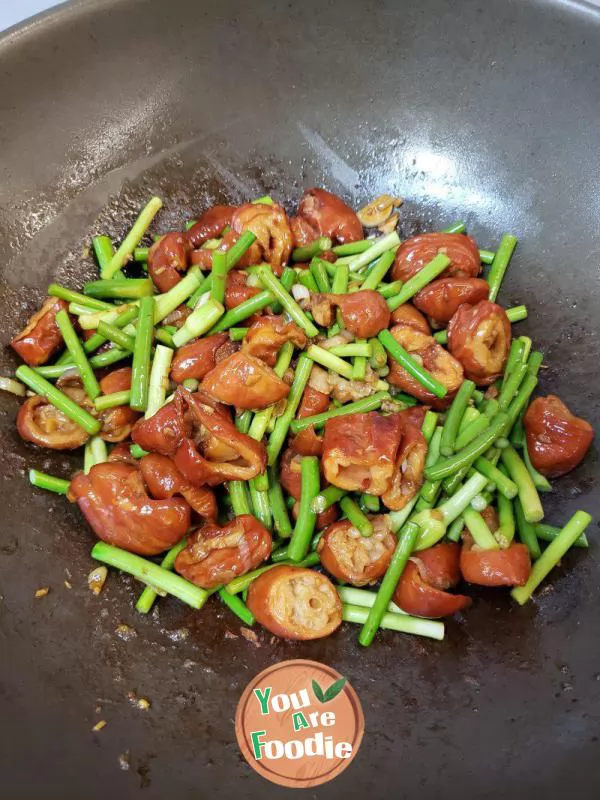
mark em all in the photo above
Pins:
pixel 305 415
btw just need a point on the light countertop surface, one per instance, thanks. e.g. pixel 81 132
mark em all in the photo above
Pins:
pixel 14 11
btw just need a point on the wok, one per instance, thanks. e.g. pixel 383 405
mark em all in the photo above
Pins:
pixel 482 112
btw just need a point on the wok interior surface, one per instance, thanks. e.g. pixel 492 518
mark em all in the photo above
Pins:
pixel 485 112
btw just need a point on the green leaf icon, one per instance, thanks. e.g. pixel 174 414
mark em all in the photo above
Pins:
pixel 333 691
pixel 318 691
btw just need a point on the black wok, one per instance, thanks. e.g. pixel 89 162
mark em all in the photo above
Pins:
pixel 486 112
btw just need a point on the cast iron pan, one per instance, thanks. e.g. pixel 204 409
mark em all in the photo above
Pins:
pixel 483 111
